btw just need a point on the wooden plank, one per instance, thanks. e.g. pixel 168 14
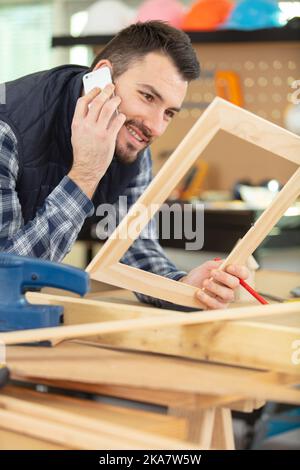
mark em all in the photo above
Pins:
pixel 119 414
pixel 210 429
pixel 76 331
pixel 104 366
pixel 258 131
pixel 158 397
pixel 148 283
pixel 265 344
pixel 263 225
pixel 101 430
pixel 53 432
pixel 10 440
pixel 101 309
pixel 222 436
pixel 200 424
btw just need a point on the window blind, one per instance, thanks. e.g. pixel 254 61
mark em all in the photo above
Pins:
pixel 25 39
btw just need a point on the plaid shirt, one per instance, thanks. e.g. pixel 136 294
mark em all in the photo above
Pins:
pixel 51 234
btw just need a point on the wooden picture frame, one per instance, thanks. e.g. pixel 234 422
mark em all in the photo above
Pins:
pixel 220 115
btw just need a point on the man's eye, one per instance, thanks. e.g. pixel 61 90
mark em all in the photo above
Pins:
pixel 170 114
pixel 148 97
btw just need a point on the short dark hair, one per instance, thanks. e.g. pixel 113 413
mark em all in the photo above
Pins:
pixel 134 42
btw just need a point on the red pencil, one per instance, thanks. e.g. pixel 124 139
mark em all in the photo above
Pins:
pixel 253 292
pixel 250 289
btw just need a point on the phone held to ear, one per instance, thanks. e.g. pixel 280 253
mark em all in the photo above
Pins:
pixel 98 78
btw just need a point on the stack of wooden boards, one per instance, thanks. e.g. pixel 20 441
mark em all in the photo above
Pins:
pixel 199 373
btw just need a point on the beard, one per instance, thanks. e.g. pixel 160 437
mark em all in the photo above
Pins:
pixel 128 153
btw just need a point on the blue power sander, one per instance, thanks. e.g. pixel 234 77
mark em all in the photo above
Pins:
pixel 19 274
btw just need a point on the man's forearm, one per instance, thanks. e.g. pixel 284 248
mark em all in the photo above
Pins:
pixel 87 184
pixel 55 227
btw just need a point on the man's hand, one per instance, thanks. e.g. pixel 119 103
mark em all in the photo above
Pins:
pixel 95 128
pixel 216 287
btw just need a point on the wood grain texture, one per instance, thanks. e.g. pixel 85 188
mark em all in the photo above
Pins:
pixel 222 437
pixel 157 397
pixel 148 283
pixel 267 341
pixel 258 131
pixel 264 345
pixel 97 365
pixel 83 416
pixel 76 331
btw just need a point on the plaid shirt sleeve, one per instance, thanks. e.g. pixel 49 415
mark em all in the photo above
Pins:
pixel 51 234
pixel 146 252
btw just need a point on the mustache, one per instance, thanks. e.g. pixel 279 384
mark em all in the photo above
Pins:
pixel 141 127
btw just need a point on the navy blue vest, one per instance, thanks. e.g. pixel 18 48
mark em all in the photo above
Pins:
pixel 39 108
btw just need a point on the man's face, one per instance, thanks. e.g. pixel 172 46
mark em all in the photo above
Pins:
pixel 152 92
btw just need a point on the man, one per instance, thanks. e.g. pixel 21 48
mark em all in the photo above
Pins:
pixel 59 150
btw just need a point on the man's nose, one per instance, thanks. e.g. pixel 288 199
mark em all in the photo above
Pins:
pixel 156 124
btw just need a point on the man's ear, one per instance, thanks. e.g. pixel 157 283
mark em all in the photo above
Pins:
pixel 104 63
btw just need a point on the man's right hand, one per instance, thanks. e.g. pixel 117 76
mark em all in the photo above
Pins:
pixel 95 127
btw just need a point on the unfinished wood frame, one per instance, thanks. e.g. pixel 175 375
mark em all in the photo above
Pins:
pixel 220 115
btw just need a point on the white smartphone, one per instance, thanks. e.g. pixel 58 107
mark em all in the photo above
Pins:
pixel 98 78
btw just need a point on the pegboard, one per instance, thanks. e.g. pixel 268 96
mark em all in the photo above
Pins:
pixel 265 72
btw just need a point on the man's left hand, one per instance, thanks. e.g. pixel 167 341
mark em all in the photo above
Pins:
pixel 216 288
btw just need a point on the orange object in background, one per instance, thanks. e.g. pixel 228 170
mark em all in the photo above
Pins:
pixel 228 86
pixel 207 15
